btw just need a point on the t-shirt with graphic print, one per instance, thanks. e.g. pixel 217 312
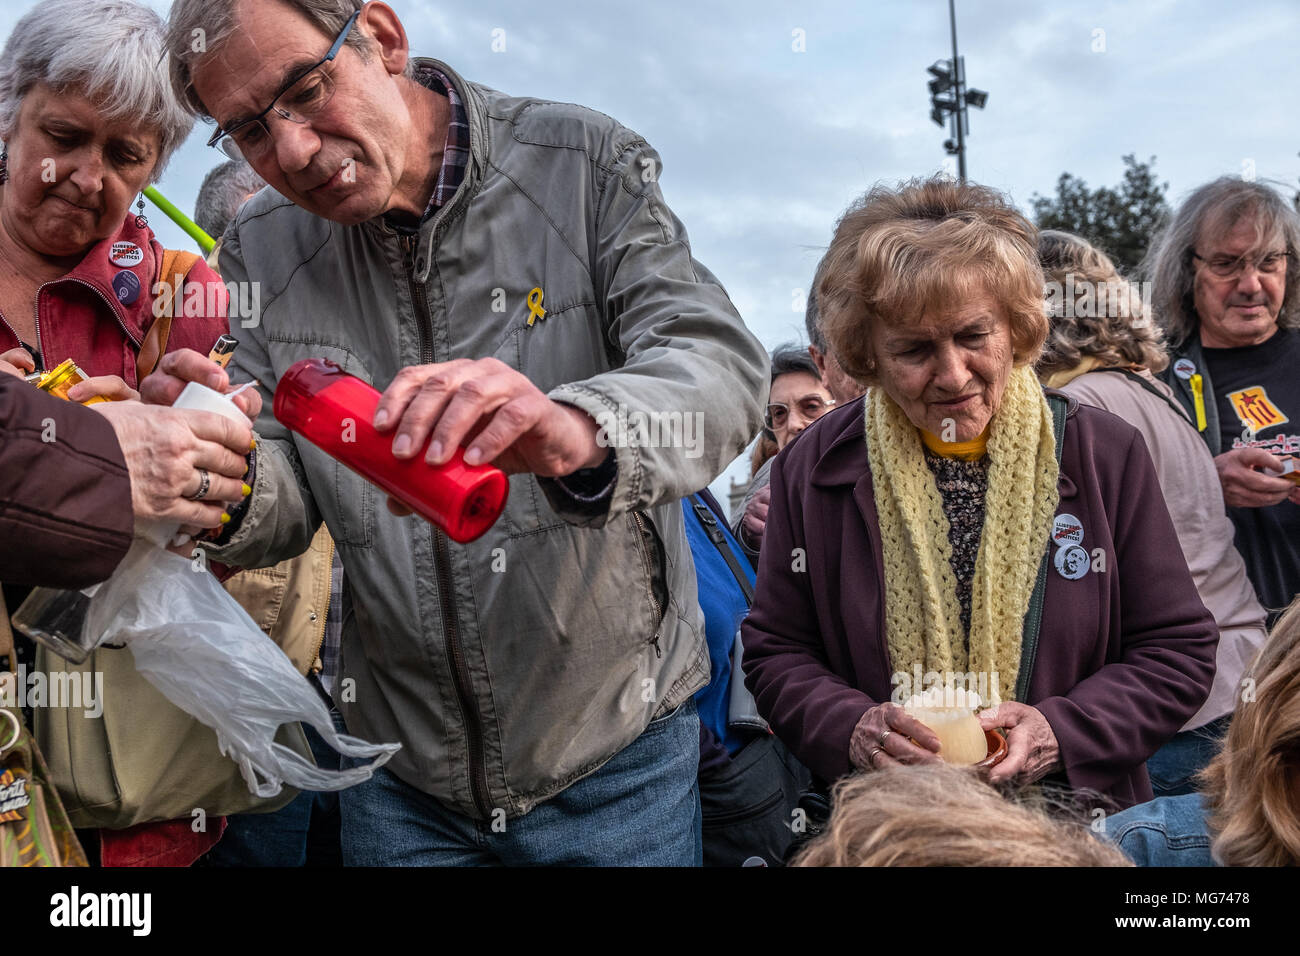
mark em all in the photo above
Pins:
pixel 1258 391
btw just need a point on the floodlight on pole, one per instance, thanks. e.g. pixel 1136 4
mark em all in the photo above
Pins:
pixel 950 77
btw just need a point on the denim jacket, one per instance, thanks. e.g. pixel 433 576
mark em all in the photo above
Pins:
pixel 1167 831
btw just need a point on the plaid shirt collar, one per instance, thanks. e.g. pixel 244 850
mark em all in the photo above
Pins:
pixel 455 152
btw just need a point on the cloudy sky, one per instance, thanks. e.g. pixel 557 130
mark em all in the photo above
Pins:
pixel 770 116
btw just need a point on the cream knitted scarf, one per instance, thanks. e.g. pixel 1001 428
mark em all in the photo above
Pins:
pixel 922 615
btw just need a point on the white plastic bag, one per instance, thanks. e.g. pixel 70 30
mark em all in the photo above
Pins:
pixel 195 643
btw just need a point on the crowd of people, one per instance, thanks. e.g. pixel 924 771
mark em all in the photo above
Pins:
pixel 998 467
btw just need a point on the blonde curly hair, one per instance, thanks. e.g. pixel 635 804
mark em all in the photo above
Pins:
pixel 1110 323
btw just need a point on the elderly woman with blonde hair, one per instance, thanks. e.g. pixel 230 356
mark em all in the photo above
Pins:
pixel 1102 349
pixel 956 526
pixel 1248 813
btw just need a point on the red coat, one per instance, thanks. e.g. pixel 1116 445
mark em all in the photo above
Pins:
pixel 1125 655
pixel 80 316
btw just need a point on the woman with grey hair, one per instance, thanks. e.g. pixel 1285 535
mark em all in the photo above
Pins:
pixel 1102 349
pixel 88 119
pixel 1226 286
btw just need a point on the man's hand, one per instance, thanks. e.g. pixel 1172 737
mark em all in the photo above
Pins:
pixel 755 519
pixel 505 418
pixel 1244 483
pixel 1032 748
pixel 177 369
pixel 164 449
pixel 111 387
pixel 17 362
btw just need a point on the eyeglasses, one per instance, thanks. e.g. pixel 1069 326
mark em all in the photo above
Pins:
pixel 811 407
pixel 1228 267
pixel 299 101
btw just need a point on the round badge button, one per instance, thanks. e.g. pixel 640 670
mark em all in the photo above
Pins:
pixel 125 254
pixel 1072 562
pixel 1184 368
pixel 1066 529
pixel 126 287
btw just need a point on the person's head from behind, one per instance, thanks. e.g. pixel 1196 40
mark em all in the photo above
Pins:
pixel 1253 784
pixel 797 398
pixel 88 120
pixel 333 134
pixel 933 291
pixel 1225 266
pixel 225 188
pixel 842 387
pixel 940 815
pixel 1095 313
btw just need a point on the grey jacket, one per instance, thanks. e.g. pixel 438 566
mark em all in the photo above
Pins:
pixel 510 667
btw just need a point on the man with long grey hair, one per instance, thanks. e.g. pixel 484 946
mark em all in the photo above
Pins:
pixel 1226 289
pixel 507 271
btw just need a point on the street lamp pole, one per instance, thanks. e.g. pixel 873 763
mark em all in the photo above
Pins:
pixel 959 94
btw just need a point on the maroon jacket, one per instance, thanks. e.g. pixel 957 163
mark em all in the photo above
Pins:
pixel 1124 657
pixel 65 503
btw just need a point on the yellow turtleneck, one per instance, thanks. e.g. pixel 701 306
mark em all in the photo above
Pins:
pixel 972 450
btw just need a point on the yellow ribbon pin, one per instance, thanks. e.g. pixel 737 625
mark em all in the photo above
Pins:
pixel 535 310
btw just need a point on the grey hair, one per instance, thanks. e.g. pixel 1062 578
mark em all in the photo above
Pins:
pixel 1218 204
pixel 110 51
pixel 215 22
pixel 224 190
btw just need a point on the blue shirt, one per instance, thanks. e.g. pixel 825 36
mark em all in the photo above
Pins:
pixel 1167 831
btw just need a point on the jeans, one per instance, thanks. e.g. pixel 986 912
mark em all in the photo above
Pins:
pixel 1174 766
pixel 1167 831
pixel 642 808
pixel 304 832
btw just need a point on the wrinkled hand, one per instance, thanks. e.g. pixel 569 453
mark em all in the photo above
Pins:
pixel 165 447
pixel 111 387
pixel 868 753
pixel 755 519
pixel 17 362
pixel 1032 750
pixel 1245 486
pixel 177 369
pixel 504 417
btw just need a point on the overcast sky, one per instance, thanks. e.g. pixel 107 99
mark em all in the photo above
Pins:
pixel 771 116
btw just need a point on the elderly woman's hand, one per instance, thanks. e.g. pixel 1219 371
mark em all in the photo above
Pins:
pixel 17 362
pixel 881 739
pixel 111 387
pixel 1032 750
pixel 177 369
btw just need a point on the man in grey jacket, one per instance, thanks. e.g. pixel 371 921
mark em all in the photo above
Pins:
pixel 506 272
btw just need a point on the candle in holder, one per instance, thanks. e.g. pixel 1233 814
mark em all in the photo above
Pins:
pixel 950 713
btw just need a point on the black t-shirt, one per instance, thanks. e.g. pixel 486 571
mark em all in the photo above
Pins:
pixel 1258 391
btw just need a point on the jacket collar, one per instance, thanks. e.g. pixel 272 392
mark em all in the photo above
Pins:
pixel 476 116
pixel 98 271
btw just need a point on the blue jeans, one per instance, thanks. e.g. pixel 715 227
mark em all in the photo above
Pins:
pixel 642 808
pixel 1174 766
pixel 304 832
pixel 1167 831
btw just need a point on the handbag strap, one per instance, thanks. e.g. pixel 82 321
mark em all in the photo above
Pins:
pixel 1135 377
pixel 715 534
pixel 1034 615
pixel 176 265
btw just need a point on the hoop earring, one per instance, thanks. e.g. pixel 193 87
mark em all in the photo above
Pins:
pixel 141 221
pixel 4 166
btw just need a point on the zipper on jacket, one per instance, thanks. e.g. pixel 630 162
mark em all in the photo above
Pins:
pixel 650 574
pixel 442 566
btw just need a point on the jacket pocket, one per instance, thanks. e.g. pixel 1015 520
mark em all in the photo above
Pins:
pixel 651 549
